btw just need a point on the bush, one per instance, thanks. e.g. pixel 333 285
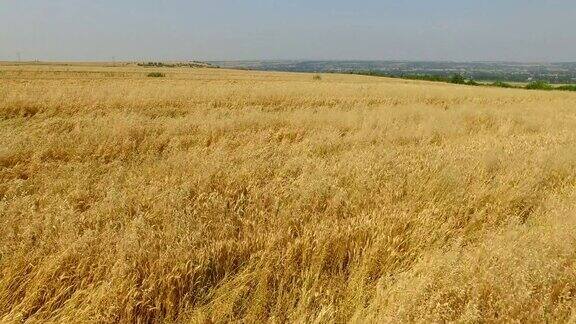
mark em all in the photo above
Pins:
pixel 539 85
pixel 156 75
pixel 472 83
pixel 317 77
pixel 501 84
pixel 457 79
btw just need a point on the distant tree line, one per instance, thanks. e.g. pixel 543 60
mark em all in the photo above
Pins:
pixel 193 64
pixel 461 79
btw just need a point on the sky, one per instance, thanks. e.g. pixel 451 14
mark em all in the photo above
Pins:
pixel 447 30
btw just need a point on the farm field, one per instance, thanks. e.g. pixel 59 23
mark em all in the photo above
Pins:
pixel 214 195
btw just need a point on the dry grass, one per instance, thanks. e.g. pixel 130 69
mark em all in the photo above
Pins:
pixel 214 196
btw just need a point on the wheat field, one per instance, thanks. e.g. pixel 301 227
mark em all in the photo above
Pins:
pixel 213 196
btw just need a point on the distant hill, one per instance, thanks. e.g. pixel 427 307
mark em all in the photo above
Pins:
pixel 482 71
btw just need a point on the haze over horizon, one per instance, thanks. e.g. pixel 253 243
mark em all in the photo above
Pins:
pixel 445 30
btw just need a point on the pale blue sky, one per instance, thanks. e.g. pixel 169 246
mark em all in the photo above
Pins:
pixel 519 30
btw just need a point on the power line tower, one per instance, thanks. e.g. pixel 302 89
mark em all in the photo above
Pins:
pixel 19 57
